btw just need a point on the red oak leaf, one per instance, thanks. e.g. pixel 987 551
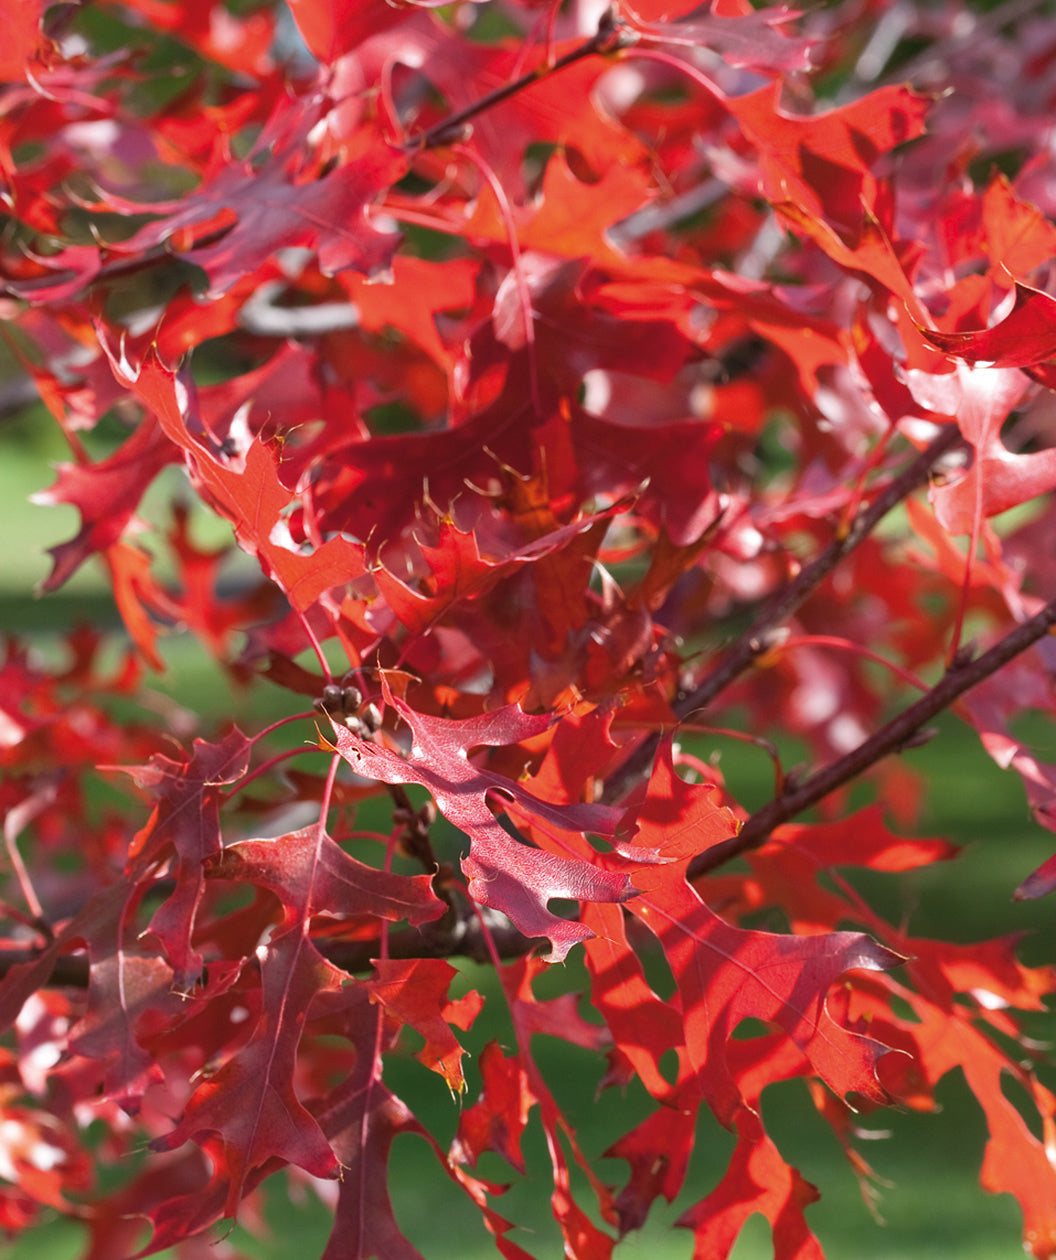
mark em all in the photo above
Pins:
pixel 1024 337
pixel 788 870
pixel 824 163
pixel 106 494
pixel 275 198
pixel 362 1118
pixel 570 218
pixel 250 1101
pixel 459 571
pixel 124 984
pixel 365 1123
pixel 757 1180
pixel 981 398
pixel 414 992
pixel 946 1035
pixel 725 974
pixel 1017 237
pixel 178 1194
pixel 753 40
pixel 872 253
pixel 583 1239
pixel 642 1024
pixel 498 1118
pixel 200 602
pixel 311 874
pixel 245 487
pixel 413 299
pixel 658 1151
pixel 186 821
pixel 502 872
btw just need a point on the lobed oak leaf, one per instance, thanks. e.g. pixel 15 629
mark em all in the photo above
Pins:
pixel 460 572
pixel 185 822
pixel 362 1118
pixel 557 1017
pixel 137 596
pixel 757 1180
pixel 1012 235
pixel 643 1026
pixel 414 298
pixel 1026 336
pixel 106 494
pixel 124 985
pixel 582 324
pixel 365 1123
pixel 824 163
pixel 725 974
pixel 497 1120
pixel 658 1151
pixel 179 1195
pixel 873 253
pixel 753 40
pixel 275 199
pixel 246 488
pixel 250 1102
pixel 945 1037
pixel 503 873
pixel 24 979
pixel 982 399
pixel 669 465
pixel 414 992
pixel 570 218
pixel 788 870
pixel 583 1239
pixel 200 602
pixel 675 821
pixel 311 874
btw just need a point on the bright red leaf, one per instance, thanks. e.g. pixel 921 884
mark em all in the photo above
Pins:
pixel 503 873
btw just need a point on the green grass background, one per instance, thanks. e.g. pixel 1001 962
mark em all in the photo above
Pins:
pixel 932 1204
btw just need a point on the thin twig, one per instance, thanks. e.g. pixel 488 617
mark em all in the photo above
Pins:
pixel 896 735
pixel 460 932
pixel 612 35
pixel 760 636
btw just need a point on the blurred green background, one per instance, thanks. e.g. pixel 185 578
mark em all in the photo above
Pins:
pixel 930 1200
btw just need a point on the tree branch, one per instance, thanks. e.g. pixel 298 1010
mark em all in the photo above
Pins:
pixel 459 933
pixel 897 734
pixel 760 636
pixel 612 35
